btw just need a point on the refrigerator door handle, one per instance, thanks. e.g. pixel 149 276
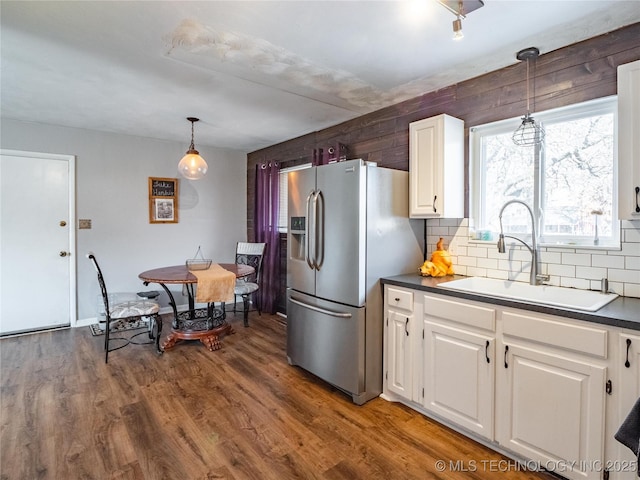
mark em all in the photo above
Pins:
pixel 320 310
pixel 307 232
pixel 314 209
pixel 319 257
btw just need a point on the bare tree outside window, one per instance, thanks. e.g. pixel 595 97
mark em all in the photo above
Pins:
pixel 568 180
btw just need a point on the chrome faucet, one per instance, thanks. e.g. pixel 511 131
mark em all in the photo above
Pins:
pixel 535 277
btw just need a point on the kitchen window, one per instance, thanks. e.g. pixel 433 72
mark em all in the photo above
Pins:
pixel 569 180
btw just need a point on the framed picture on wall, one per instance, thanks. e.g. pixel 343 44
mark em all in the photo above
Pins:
pixel 163 200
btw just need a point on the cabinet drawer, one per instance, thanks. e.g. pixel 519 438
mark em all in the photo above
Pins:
pixel 456 310
pixel 578 338
pixel 398 298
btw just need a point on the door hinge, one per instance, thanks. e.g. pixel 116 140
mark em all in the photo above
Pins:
pixel 609 387
pixel 605 474
pixel 386 375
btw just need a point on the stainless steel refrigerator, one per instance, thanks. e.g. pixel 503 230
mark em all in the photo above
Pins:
pixel 348 226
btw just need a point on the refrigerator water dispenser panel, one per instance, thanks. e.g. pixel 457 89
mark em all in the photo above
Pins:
pixel 298 238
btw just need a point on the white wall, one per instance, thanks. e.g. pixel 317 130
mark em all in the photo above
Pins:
pixel 112 173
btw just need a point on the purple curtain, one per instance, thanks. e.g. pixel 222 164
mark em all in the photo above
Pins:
pixel 267 201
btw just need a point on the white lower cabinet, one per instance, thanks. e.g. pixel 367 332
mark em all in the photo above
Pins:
pixel 552 388
pixel 399 372
pixel 459 376
pixel 458 356
pixel 628 366
pixel 533 385
pixel 399 320
pixel 552 410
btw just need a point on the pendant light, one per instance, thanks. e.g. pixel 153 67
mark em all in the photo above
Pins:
pixel 529 132
pixel 192 166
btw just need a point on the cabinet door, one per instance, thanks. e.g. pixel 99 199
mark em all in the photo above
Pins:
pixel 436 167
pixel 552 409
pixel 399 367
pixel 629 389
pixel 459 376
pixel 629 367
pixel 425 148
pixel 629 141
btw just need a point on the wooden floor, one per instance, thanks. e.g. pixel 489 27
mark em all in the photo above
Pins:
pixel 240 412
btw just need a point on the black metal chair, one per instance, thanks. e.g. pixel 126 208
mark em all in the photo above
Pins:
pixel 124 312
pixel 249 254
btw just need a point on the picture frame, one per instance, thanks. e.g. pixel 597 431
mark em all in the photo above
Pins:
pixel 163 200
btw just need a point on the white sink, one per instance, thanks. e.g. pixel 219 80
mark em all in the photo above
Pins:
pixel 571 298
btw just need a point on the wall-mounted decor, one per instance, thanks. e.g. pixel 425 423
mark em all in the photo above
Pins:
pixel 163 200
pixel 335 152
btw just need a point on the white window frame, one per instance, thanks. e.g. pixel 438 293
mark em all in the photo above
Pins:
pixel 477 173
pixel 283 211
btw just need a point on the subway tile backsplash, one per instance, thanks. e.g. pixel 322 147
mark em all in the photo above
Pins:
pixel 567 267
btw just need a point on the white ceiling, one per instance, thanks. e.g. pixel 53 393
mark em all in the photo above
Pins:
pixel 260 72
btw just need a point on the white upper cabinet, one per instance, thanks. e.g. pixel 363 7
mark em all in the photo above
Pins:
pixel 436 168
pixel 629 141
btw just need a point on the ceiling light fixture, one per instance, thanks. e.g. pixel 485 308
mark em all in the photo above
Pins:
pixel 460 8
pixel 192 166
pixel 529 132
pixel 457 29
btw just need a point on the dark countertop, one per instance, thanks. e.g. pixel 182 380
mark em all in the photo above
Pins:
pixel 622 312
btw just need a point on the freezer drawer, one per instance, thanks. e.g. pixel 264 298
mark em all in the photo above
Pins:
pixel 328 340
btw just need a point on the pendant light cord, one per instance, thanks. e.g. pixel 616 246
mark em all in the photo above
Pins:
pixel 528 94
pixel 193 147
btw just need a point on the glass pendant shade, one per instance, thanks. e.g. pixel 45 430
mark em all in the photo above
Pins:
pixel 192 166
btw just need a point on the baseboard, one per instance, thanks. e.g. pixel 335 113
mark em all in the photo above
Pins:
pixel 85 322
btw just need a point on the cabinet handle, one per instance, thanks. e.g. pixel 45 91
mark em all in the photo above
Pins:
pixel 627 363
pixel 506 350
pixel 406 327
pixel 435 197
pixel 486 352
pixel 397 299
pixel 637 204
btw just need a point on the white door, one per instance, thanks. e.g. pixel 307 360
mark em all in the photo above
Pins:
pixel 459 376
pixel 37 283
pixel 629 392
pixel 399 368
pixel 553 410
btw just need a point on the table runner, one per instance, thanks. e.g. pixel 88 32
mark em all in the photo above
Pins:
pixel 214 284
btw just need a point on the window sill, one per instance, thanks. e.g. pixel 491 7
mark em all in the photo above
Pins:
pixel 577 246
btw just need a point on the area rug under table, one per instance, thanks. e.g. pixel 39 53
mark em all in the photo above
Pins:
pixel 97 330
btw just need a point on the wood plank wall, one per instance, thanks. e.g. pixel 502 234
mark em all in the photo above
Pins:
pixel 573 74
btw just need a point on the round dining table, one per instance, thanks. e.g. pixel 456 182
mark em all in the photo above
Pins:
pixel 204 324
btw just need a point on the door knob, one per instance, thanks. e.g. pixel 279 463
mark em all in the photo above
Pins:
pixel 63 223
pixel 64 254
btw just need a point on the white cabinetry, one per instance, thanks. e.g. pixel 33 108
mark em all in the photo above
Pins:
pixel 551 392
pixel 459 343
pixel 532 385
pixel 398 358
pixel 436 167
pixel 629 141
pixel 628 363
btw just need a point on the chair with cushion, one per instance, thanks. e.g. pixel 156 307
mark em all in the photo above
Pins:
pixel 126 312
pixel 248 254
